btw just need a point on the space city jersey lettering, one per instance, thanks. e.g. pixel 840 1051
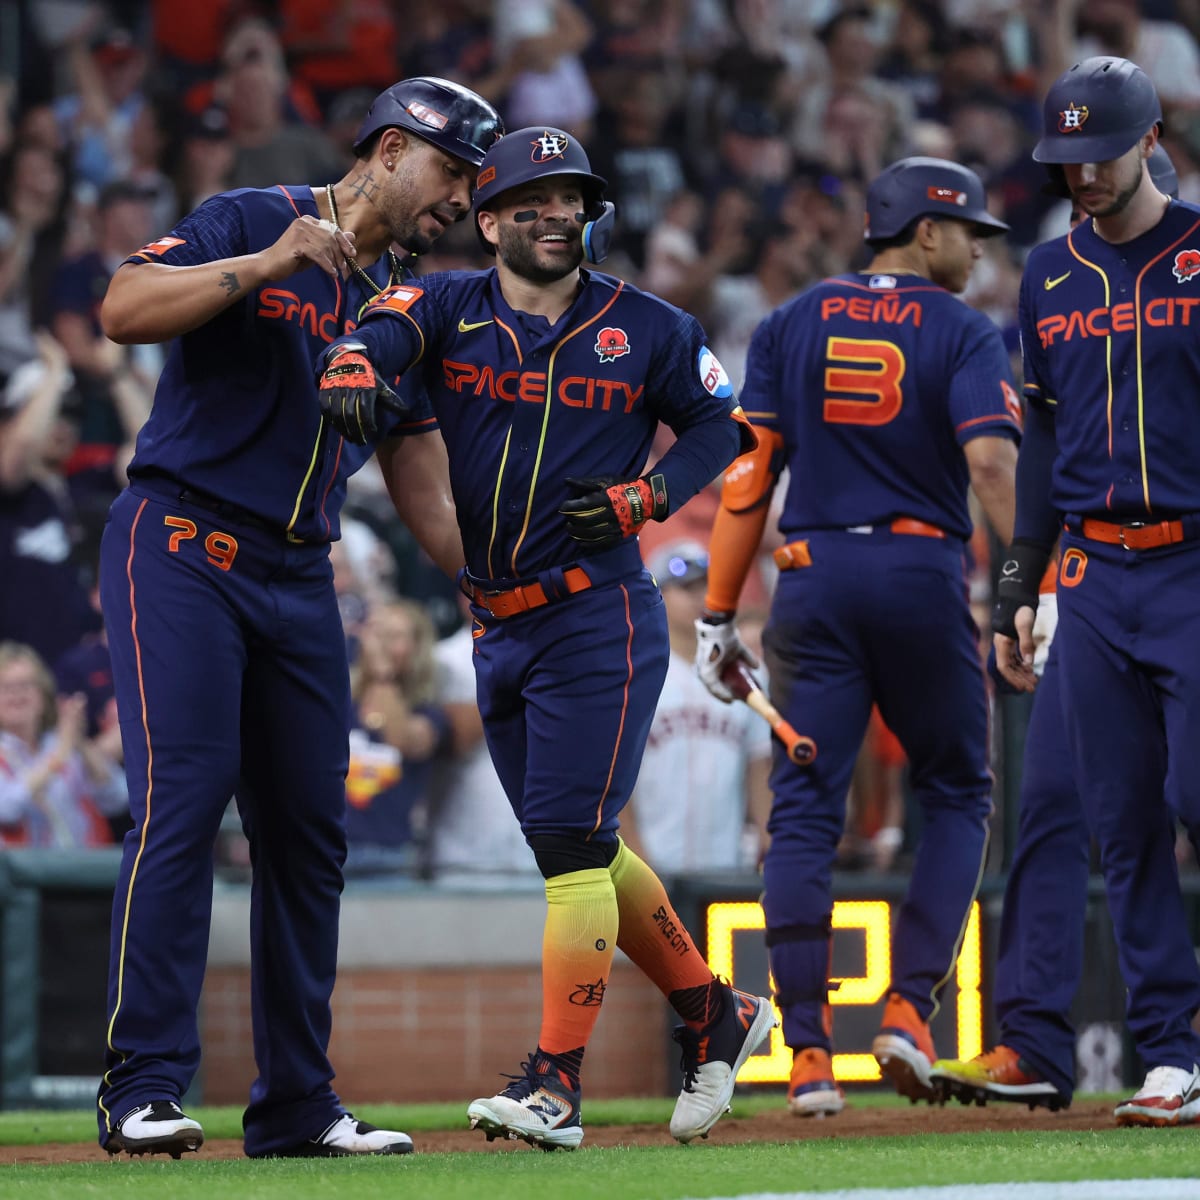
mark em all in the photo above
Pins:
pixel 575 391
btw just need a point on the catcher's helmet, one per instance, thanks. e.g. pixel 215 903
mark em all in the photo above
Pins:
pixel 452 117
pixel 926 187
pixel 1096 111
pixel 535 153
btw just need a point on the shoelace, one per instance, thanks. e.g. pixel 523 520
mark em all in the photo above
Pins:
pixel 525 1084
pixel 689 1057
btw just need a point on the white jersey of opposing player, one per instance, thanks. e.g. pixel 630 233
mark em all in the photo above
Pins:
pixel 690 800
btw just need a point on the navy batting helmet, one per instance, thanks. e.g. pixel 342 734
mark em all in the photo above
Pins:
pixel 926 187
pixel 1162 172
pixel 535 153
pixel 451 117
pixel 1096 111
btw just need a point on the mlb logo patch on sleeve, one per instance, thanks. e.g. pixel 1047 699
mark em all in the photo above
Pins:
pixel 712 375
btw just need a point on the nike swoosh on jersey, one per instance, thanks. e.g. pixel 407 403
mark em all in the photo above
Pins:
pixel 466 327
pixel 1050 284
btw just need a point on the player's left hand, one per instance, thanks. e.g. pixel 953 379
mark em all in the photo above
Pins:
pixel 606 510
pixel 351 391
pixel 1014 656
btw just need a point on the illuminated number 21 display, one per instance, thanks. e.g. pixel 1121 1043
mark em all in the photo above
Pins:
pixel 873 920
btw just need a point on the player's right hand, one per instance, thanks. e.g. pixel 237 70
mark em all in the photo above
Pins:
pixel 351 392
pixel 308 242
pixel 717 645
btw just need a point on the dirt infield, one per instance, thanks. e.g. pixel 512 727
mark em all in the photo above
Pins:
pixel 772 1126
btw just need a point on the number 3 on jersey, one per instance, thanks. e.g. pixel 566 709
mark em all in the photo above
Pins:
pixel 877 371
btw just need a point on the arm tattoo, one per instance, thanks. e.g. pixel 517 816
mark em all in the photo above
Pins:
pixel 229 281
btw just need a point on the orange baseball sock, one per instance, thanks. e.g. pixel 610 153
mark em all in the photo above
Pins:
pixel 578 944
pixel 655 939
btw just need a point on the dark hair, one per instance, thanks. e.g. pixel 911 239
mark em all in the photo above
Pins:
pixel 856 12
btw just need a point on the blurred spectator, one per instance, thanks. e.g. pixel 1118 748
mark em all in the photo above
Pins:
pixel 701 800
pixel 57 786
pixel 187 38
pixel 453 39
pixel 642 158
pixel 753 154
pixel 31 224
pixel 97 119
pixel 976 61
pixel 43 601
pixel 852 102
pixel 151 143
pixel 672 247
pixel 913 59
pixel 269 148
pixel 333 45
pixel 206 158
pixel 397 732
pixel 537 44
pixel 116 382
pixel 1162 49
pixel 473 840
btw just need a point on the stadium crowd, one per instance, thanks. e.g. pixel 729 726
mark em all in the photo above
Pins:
pixel 737 136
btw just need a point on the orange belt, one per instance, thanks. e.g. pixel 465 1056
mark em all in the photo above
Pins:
pixel 796 554
pixel 525 596
pixel 1134 536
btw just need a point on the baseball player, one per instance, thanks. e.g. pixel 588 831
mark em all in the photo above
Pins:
pixel 1040 957
pixel 548 382
pixel 228 656
pixel 884 396
pixel 1109 461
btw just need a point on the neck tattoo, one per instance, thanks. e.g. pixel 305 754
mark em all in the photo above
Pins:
pixel 395 268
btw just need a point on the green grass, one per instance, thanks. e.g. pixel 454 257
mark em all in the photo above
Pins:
pixel 652 1173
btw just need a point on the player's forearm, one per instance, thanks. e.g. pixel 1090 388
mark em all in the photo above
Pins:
pixel 153 302
pixel 993 465
pixel 1036 520
pixel 697 456
pixel 417 473
pixel 732 548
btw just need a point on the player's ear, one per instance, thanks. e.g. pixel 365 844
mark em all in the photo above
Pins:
pixel 926 233
pixel 489 226
pixel 392 144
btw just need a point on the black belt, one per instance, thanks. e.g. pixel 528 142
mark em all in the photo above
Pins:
pixel 167 488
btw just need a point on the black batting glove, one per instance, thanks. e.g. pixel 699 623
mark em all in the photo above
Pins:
pixel 607 511
pixel 351 392
pixel 1020 578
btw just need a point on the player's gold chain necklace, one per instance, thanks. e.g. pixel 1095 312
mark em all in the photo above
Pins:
pixel 395 268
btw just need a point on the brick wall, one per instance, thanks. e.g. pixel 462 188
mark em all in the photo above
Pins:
pixel 445 1032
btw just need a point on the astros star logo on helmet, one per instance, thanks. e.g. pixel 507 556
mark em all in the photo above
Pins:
pixel 1072 118
pixel 548 146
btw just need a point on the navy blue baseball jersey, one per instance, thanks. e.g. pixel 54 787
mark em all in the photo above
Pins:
pixel 523 405
pixel 875 383
pixel 1108 343
pixel 234 414
pixel 1112 368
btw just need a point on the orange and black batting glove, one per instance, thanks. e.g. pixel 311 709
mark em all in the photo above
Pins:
pixel 350 390
pixel 606 511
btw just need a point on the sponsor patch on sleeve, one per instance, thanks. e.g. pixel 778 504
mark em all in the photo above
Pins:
pixel 713 376
pixel 399 298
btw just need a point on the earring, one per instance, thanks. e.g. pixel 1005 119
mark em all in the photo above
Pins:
pixel 388 165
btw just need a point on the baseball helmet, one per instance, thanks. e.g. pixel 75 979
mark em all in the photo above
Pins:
pixel 1162 172
pixel 1096 111
pixel 926 187
pixel 451 117
pixel 536 153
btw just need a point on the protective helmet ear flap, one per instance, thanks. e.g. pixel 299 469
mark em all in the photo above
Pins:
pixel 599 222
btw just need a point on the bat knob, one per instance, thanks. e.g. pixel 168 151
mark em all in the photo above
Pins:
pixel 803 752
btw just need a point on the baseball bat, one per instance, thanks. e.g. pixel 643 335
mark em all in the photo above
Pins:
pixel 737 678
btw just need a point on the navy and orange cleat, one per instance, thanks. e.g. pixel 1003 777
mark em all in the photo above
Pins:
pixel 999 1074
pixel 540 1106
pixel 812 1089
pixel 1169 1096
pixel 712 1057
pixel 903 1047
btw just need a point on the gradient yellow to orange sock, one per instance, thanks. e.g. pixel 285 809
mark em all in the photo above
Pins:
pixel 578 944
pixel 652 934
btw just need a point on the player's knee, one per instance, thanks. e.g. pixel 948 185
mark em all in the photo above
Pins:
pixel 565 853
